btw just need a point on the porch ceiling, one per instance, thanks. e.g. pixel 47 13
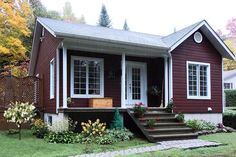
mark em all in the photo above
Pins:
pixel 111 47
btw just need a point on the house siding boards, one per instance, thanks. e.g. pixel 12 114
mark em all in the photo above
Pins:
pixel 112 87
pixel 203 52
pixel 47 51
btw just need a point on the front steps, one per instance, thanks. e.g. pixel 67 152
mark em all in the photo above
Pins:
pixel 166 127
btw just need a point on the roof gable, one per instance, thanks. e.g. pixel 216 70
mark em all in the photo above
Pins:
pixel 175 39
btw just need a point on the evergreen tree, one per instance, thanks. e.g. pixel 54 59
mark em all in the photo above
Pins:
pixel 126 27
pixel 104 19
pixel 117 122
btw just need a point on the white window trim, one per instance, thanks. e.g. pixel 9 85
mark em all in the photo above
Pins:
pixel 73 95
pixel 208 97
pixel 52 78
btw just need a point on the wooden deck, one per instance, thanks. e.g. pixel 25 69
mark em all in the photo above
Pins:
pixel 88 109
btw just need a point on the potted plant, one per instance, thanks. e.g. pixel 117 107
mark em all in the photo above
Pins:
pixel 139 110
pixel 170 106
pixel 151 123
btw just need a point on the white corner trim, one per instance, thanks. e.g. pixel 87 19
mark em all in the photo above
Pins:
pixel 222 79
pixel 73 95
pixel 123 69
pixel 208 97
pixel 57 79
pixel 52 78
pixel 64 57
pixel 166 81
pixel 170 78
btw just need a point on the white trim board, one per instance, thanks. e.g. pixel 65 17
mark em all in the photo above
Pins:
pixel 73 95
pixel 208 97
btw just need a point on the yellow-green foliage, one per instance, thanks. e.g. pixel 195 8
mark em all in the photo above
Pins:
pixel 93 128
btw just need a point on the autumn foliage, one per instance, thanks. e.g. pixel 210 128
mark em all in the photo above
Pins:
pixel 14 15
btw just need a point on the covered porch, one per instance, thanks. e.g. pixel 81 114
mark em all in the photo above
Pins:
pixel 126 73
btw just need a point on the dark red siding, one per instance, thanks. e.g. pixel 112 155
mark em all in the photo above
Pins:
pixel 46 52
pixel 203 52
pixel 112 87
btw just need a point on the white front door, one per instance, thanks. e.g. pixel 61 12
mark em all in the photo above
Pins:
pixel 136 83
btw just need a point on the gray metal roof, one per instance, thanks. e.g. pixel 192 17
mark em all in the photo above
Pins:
pixel 74 30
pixel 176 36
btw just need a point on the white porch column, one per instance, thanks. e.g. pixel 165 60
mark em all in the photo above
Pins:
pixel 166 81
pixel 170 78
pixel 123 69
pixel 64 77
pixel 57 79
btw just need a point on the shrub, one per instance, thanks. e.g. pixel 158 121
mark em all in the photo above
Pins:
pixel 93 128
pixel 105 139
pixel 19 113
pixel 230 98
pixel 61 137
pixel 117 122
pixel 139 110
pixel 180 117
pixel 200 125
pixel 170 105
pixel 39 128
pixel 151 123
pixel 120 134
pixel 229 118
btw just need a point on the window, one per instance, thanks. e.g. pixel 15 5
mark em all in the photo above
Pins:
pixel 49 120
pixel 86 77
pixel 228 85
pixel 52 78
pixel 198 80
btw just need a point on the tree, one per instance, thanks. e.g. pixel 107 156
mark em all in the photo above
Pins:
pixel 230 64
pixel 125 27
pixel 14 16
pixel 68 15
pixel 117 122
pixel 231 26
pixel 19 113
pixel 104 19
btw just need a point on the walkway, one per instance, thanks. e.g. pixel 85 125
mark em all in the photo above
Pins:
pixel 181 144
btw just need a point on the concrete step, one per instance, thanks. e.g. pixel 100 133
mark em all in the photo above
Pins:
pixel 158 119
pixel 162 131
pixel 165 124
pixel 166 137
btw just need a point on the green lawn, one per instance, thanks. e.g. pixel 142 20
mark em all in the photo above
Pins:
pixel 228 150
pixel 29 146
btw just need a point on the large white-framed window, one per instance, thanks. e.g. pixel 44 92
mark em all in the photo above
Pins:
pixel 87 77
pixel 198 80
pixel 52 79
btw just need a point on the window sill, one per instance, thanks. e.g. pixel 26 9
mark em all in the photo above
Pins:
pixel 198 98
pixel 86 96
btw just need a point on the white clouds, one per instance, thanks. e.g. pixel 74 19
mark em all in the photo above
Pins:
pixel 152 16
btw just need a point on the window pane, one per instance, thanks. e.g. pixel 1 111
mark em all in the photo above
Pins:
pixel 136 84
pixel 94 77
pixel 192 71
pixel 203 80
pixel 80 77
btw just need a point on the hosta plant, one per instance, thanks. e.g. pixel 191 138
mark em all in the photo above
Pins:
pixel 19 113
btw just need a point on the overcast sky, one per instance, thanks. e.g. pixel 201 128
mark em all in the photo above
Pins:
pixel 153 16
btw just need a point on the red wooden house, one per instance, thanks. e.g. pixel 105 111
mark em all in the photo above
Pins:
pixel 84 62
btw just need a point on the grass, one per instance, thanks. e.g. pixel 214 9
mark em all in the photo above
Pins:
pixel 30 146
pixel 227 150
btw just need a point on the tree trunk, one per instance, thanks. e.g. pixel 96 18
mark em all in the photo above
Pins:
pixel 20 132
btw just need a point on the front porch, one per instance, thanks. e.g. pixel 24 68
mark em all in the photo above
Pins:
pixel 122 75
